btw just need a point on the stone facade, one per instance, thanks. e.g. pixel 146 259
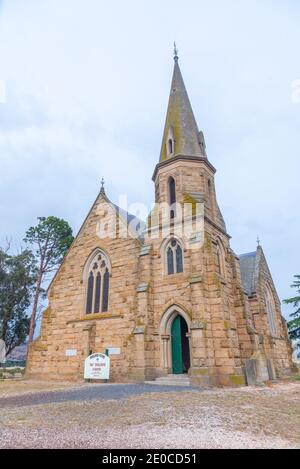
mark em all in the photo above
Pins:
pixel 226 314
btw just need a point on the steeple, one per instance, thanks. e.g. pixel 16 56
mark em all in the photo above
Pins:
pixel 181 134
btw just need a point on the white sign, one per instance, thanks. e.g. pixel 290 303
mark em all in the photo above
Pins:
pixel 114 351
pixel 96 366
pixel 71 352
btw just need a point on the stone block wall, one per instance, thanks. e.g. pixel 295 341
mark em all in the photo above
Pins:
pixel 225 326
pixel 65 324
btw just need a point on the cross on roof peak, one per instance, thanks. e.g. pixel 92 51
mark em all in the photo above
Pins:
pixel 175 52
pixel 102 191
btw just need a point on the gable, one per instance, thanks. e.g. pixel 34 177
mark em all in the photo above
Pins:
pixel 253 267
pixel 247 265
pixel 121 224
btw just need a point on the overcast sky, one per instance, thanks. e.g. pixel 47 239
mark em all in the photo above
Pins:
pixel 86 87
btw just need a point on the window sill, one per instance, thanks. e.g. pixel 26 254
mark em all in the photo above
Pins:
pixel 93 317
pixel 174 276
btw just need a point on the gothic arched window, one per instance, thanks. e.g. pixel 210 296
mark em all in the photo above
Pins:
pixel 90 289
pixel 270 306
pixel 172 196
pixel 221 259
pixel 174 257
pixel 97 284
pixel 170 142
pixel 170 146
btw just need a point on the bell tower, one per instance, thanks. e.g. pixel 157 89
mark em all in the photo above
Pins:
pixel 184 173
pixel 202 287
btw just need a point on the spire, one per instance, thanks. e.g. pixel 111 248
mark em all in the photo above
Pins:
pixel 181 134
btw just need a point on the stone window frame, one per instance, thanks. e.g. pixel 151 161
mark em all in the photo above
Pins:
pixel 170 146
pixel 172 205
pixel 221 258
pixel 170 139
pixel 164 255
pixel 92 259
pixel 270 310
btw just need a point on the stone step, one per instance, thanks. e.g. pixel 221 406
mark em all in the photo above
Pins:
pixel 168 383
pixel 177 380
pixel 182 376
pixel 171 380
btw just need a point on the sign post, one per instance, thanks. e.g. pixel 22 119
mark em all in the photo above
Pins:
pixel 96 366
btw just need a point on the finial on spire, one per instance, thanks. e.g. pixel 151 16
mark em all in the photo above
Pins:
pixel 258 241
pixel 175 52
pixel 102 191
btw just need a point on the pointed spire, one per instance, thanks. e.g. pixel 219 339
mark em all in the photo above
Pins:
pixel 181 134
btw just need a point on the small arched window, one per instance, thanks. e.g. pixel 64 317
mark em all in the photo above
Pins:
pixel 270 306
pixel 170 146
pixel 97 284
pixel 221 259
pixel 174 257
pixel 172 196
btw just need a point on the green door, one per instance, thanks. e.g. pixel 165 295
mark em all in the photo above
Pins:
pixel 177 364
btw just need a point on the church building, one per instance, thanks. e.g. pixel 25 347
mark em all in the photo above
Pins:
pixel 176 304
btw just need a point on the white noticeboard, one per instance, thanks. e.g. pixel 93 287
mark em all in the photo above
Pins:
pixel 114 350
pixel 96 366
pixel 71 352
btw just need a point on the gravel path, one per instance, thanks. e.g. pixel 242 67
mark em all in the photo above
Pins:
pixel 146 416
pixel 90 392
pixel 205 436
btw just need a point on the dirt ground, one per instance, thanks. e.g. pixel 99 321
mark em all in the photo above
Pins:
pixel 253 417
pixel 12 387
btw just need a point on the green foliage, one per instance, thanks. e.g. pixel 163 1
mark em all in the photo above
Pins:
pixel 17 280
pixel 50 239
pixel 294 324
pixel 15 363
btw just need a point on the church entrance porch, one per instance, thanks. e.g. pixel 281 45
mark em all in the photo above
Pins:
pixel 180 346
pixel 175 350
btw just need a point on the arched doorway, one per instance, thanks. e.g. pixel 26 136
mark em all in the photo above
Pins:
pixel 180 346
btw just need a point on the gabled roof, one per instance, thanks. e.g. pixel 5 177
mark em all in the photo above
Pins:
pixel 247 264
pixel 251 265
pixel 135 226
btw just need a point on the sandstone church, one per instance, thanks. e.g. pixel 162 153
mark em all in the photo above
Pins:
pixel 173 307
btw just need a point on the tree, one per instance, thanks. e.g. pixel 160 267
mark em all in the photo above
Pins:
pixel 50 240
pixel 17 280
pixel 294 324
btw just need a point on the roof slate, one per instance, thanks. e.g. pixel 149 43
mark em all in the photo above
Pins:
pixel 248 265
